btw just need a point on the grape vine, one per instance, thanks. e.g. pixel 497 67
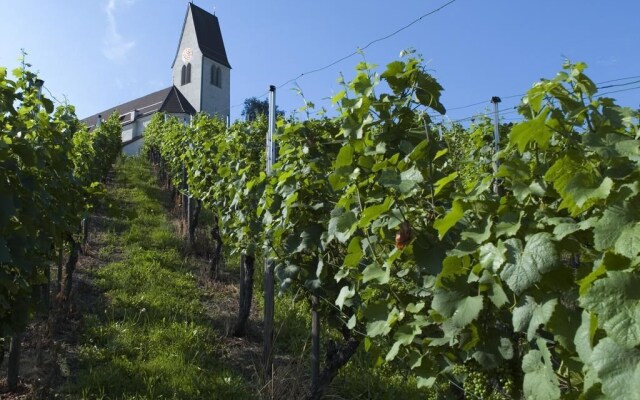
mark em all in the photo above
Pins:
pixel 50 173
pixel 528 291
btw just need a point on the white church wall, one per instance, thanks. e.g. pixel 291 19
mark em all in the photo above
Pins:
pixel 127 132
pixel 141 124
pixel 133 148
pixel 216 100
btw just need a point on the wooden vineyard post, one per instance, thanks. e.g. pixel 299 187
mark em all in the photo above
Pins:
pixel 246 293
pixel 46 288
pixel 85 234
pixel 315 344
pixel 189 218
pixel 185 215
pixel 269 302
pixel 60 263
pixel 242 289
pixel 13 364
pixel 269 308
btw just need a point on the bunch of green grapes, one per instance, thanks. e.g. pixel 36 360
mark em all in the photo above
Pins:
pixel 506 382
pixel 440 390
pixel 477 383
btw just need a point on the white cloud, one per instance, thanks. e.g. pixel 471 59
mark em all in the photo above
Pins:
pixel 115 47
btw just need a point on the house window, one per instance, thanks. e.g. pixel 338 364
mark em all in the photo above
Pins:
pixel 185 74
pixel 216 76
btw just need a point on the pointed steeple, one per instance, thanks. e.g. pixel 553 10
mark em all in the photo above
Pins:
pixel 209 35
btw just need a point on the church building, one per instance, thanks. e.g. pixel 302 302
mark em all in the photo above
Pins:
pixel 201 82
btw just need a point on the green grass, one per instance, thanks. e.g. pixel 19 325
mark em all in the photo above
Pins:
pixel 152 340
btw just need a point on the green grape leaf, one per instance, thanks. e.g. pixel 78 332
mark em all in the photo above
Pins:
pixel 540 381
pixel 452 266
pixel 345 293
pixel 373 272
pixel 525 267
pixel 345 157
pixel 534 130
pixel 568 227
pixel 373 212
pixel 497 295
pixel 442 183
pixel 578 183
pixel 584 336
pixel 354 253
pixel 628 243
pixel 409 179
pixel 509 224
pixel 492 257
pixel 618 368
pixel 403 182
pixel 379 319
pixel 342 226
pixel 529 316
pixel 460 308
pixel 610 226
pixel 477 234
pixel 616 300
pixel 428 257
pixel 450 220
pixel 403 336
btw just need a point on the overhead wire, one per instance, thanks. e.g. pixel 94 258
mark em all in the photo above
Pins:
pixel 620 90
pixel 619 85
pixel 360 49
pixel 523 94
pixel 620 79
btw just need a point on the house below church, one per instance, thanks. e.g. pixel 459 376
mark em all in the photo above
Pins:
pixel 201 82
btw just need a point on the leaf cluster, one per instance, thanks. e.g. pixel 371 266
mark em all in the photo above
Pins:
pixel 405 238
pixel 50 167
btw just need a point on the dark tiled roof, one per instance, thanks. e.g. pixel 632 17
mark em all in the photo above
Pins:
pixel 145 105
pixel 169 100
pixel 177 103
pixel 209 35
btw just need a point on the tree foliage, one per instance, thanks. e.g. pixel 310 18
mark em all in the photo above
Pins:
pixel 254 108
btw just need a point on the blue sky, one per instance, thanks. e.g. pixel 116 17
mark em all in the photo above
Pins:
pixel 101 53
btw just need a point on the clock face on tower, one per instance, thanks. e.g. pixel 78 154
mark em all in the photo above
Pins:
pixel 186 55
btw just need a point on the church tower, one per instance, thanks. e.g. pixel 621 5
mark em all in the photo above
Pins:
pixel 201 70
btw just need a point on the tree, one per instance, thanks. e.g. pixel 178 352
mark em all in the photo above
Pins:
pixel 253 107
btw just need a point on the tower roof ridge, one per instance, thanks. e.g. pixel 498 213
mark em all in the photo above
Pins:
pixel 209 35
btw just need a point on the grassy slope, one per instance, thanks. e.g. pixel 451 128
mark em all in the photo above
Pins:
pixel 152 339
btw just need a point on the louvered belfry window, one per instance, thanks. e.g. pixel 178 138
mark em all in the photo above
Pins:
pixel 216 76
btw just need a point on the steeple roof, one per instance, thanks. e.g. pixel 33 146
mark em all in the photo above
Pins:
pixel 176 103
pixel 209 35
